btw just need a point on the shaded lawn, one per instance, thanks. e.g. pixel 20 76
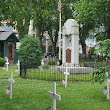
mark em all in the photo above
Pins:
pixel 33 95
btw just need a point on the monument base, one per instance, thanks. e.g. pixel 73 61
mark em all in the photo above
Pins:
pixel 74 69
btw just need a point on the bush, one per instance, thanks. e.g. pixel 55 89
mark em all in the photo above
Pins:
pixel 46 67
pixel 51 62
pixel 2 62
pixel 30 51
pixel 99 75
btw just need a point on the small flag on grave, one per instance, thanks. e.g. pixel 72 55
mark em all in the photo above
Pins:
pixel 8 90
pixel 63 82
pixel 105 90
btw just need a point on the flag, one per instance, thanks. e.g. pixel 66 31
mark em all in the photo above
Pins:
pixel 105 90
pixel 63 82
pixel 8 90
pixel 59 6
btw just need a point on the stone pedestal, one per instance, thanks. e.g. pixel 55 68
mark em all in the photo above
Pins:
pixel 70 51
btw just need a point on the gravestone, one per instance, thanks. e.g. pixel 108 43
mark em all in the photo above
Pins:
pixel 66 73
pixel 107 85
pixel 54 96
pixel 11 80
pixel 7 63
pixel 18 64
pixel 70 52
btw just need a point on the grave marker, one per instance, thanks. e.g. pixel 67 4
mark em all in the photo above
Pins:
pixel 54 96
pixel 66 76
pixel 18 64
pixel 107 83
pixel 7 63
pixel 11 80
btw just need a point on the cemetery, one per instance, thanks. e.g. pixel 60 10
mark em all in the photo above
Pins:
pixel 55 59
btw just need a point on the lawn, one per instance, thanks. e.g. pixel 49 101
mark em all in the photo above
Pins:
pixel 32 94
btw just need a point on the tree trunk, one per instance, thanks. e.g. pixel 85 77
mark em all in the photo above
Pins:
pixel 54 48
pixel 108 33
pixel 40 37
pixel 84 48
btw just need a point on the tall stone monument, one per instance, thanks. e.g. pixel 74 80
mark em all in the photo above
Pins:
pixel 70 47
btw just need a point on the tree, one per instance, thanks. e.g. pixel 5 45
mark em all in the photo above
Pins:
pixel 104 47
pixel 43 12
pixel 30 51
pixel 84 16
pixel 96 12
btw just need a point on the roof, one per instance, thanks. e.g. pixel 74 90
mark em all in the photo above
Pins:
pixel 5 35
pixel 6 28
pixel 5 32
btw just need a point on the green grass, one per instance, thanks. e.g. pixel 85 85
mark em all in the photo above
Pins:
pixel 33 95
pixel 6 74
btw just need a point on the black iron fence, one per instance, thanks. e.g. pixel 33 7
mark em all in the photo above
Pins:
pixel 56 73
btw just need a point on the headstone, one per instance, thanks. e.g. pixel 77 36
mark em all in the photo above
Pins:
pixel 11 80
pixel 42 62
pixel 107 84
pixel 7 63
pixel 54 96
pixel 105 91
pixel 70 52
pixel 66 76
pixel 18 64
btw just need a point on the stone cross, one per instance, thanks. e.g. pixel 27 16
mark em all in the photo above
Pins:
pixel 107 83
pixel 54 96
pixel 42 63
pixel 7 63
pixel 18 64
pixel 11 80
pixel 66 76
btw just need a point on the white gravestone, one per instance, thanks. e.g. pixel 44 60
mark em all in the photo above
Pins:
pixel 11 80
pixel 70 42
pixel 54 96
pixel 66 76
pixel 107 83
pixel 7 63
pixel 42 64
pixel 18 64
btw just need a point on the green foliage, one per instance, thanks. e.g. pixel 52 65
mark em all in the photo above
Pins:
pixel 104 47
pixel 99 75
pixel 2 62
pixel 30 51
pixel 46 67
pixel 51 62
pixel 94 12
pixel 91 51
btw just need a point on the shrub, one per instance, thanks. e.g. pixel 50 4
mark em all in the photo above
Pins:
pixel 99 75
pixel 46 67
pixel 51 62
pixel 2 62
pixel 30 51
